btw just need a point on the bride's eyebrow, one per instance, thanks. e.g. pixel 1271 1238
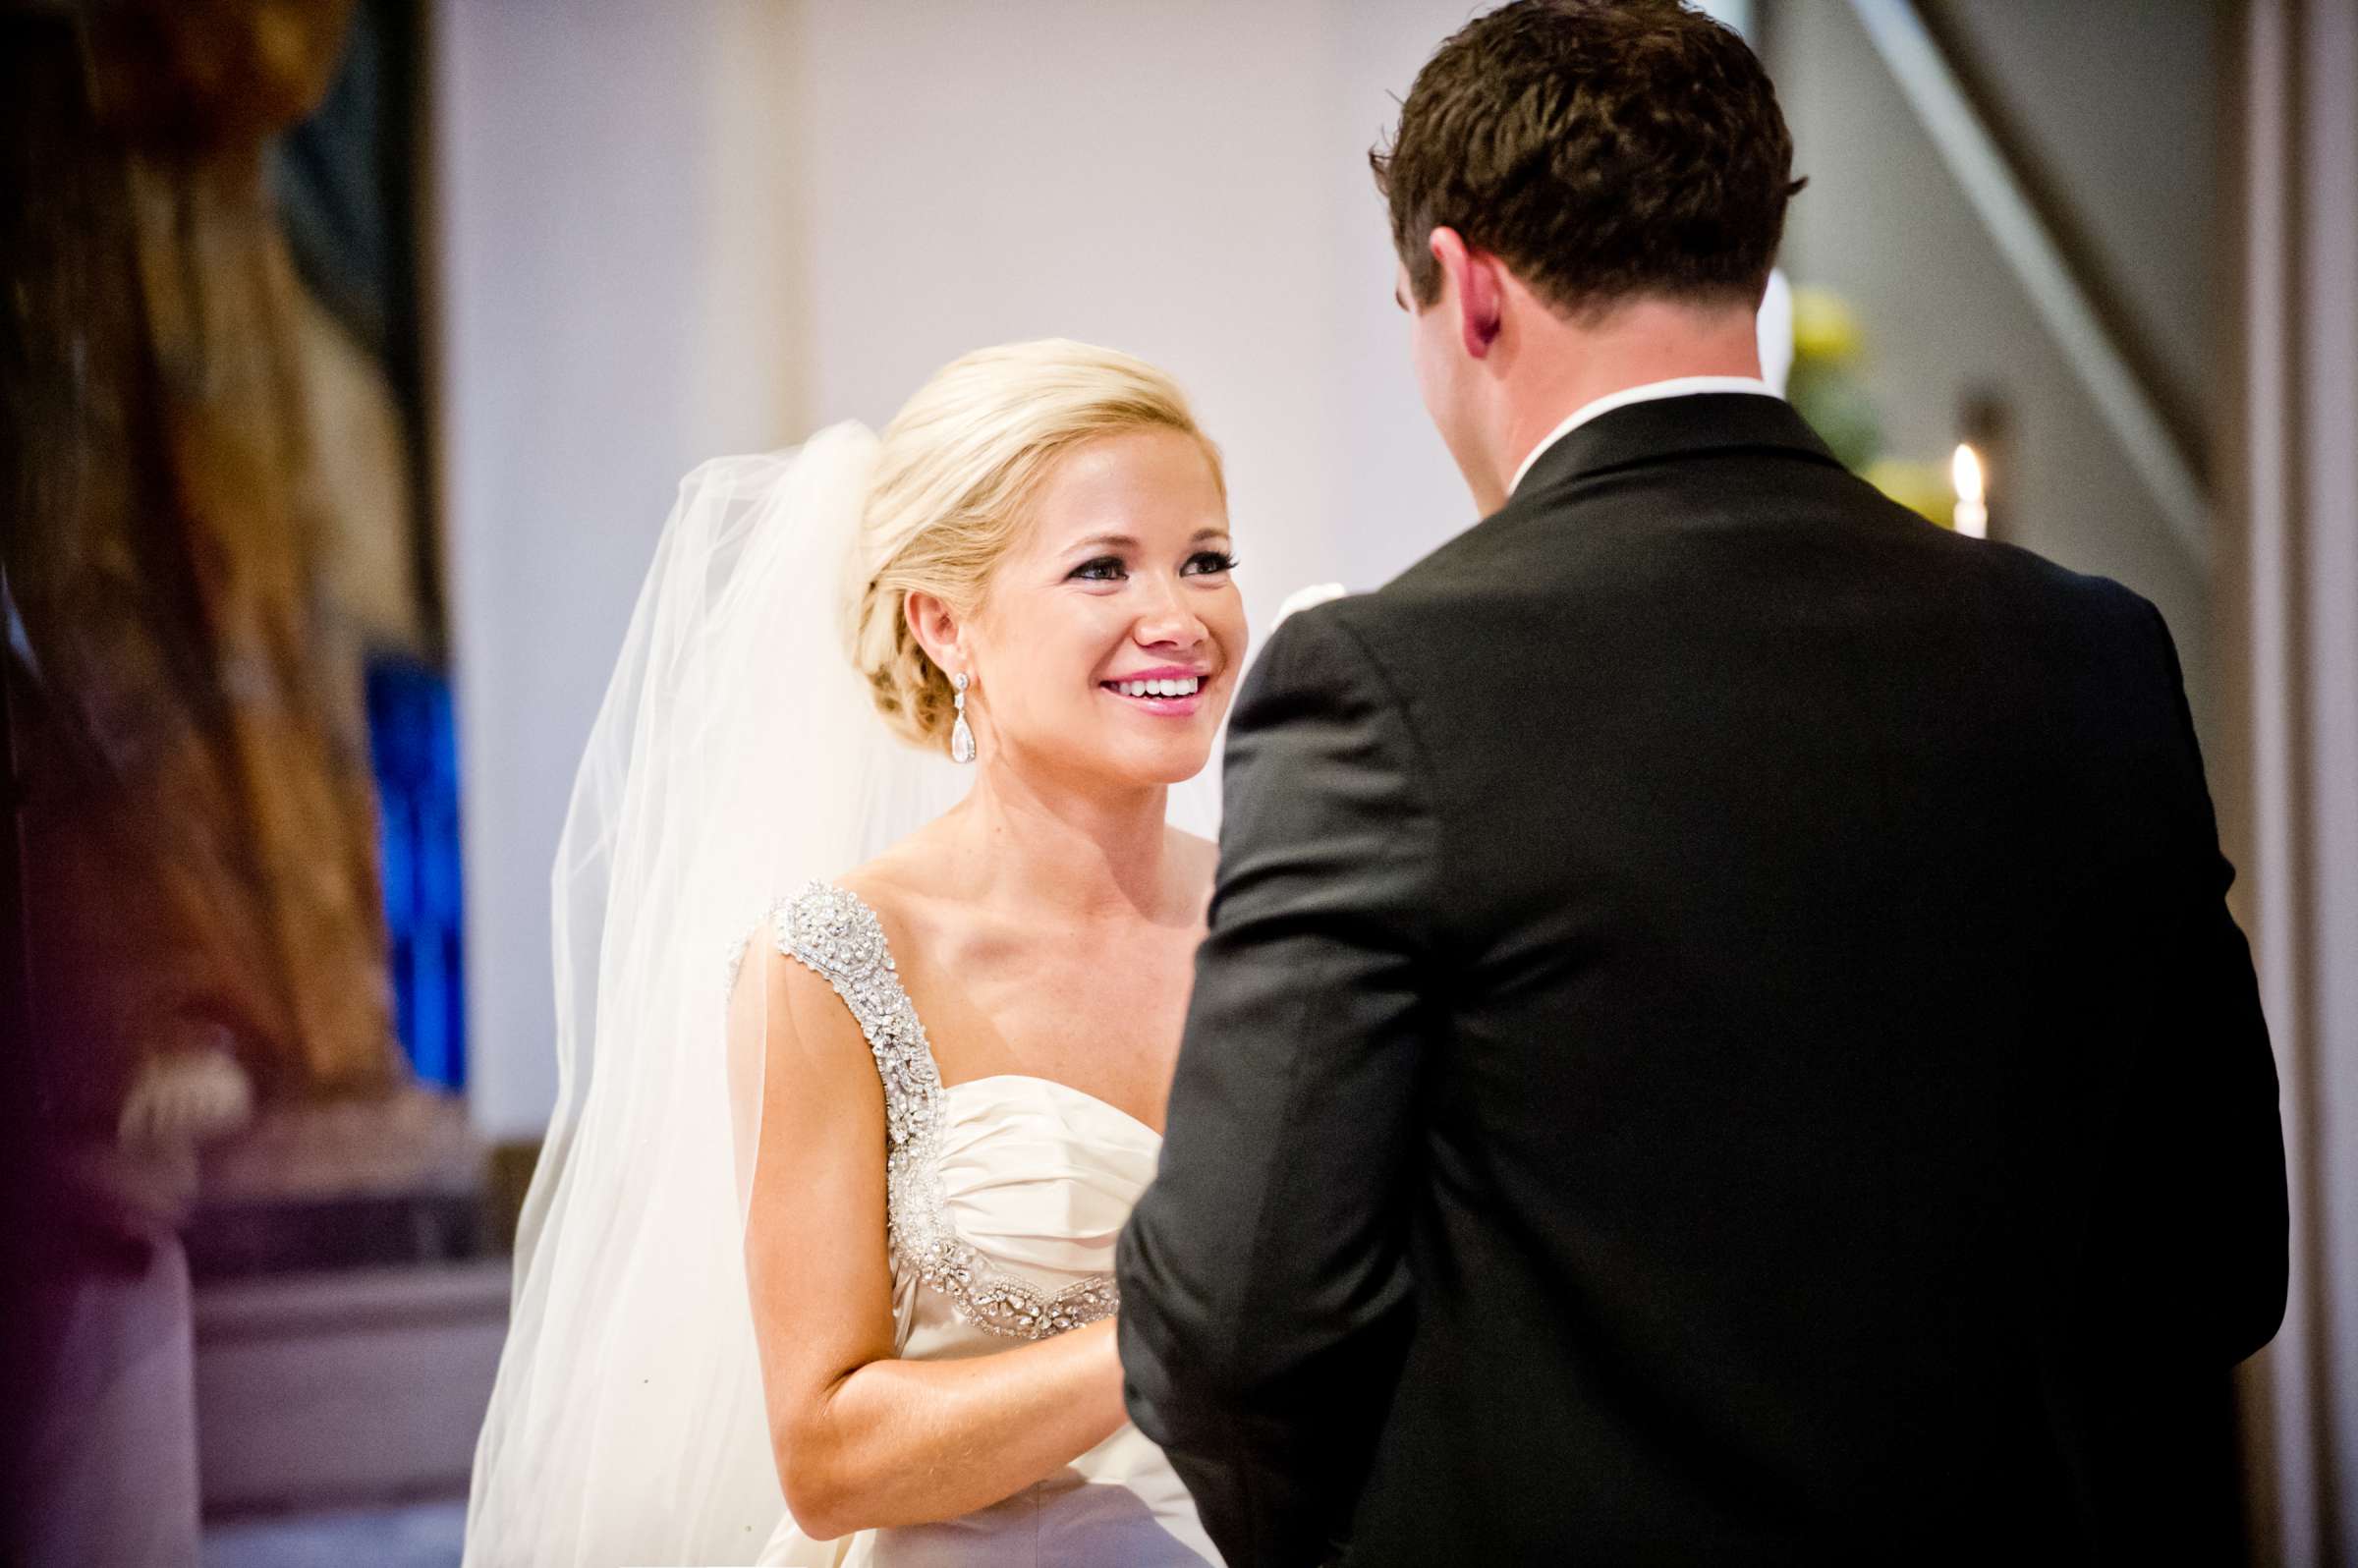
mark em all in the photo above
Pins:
pixel 1123 541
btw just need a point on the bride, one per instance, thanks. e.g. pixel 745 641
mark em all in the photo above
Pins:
pixel 816 1267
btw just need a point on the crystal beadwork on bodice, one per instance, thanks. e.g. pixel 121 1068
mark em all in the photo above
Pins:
pixel 840 939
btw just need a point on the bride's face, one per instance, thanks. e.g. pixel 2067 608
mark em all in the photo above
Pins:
pixel 1123 575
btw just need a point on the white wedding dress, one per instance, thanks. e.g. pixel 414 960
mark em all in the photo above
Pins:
pixel 1005 1195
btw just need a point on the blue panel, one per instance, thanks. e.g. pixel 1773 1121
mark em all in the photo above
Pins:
pixel 415 751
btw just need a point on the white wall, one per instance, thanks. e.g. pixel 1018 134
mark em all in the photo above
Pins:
pixel 608 315
pixel 1183 181
pixel 713 225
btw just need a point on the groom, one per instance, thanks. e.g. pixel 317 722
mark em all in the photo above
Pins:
pixel 1720 1040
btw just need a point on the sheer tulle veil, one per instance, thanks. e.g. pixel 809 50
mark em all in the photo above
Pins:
pixel 736 756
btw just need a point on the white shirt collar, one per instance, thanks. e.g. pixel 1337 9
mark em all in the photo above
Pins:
pixel 1678 387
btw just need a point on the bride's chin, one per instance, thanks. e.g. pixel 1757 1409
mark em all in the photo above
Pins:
pixel 1163 777
pixel 1176 765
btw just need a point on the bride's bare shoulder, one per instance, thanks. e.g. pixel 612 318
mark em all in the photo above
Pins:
pixel 893 887
pixel 901 882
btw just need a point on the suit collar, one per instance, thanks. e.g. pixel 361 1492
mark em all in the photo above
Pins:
pixel 1677 386
pixel 1671 428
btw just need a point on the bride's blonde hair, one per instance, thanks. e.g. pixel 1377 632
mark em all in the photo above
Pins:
pixel 956 471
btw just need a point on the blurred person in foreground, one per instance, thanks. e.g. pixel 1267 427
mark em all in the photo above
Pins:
pixel 1720 1037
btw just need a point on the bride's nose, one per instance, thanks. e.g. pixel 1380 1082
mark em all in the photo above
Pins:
pixel 1169 621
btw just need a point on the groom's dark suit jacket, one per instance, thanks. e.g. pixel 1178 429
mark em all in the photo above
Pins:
pixel 1719 1042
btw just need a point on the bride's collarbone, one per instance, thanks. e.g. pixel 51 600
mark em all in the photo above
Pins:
pixel 1095 1008
pixel 1104 1022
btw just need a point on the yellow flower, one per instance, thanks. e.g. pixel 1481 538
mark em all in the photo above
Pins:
pixel 1920 487
pixel 1824 329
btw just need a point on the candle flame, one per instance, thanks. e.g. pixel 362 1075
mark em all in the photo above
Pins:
pixel 1971 516
pixel 1965 471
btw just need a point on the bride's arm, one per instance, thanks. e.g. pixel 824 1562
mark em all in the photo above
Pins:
pixel 861 1438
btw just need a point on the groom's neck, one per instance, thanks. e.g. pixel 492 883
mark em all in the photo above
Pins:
pixel 1557 367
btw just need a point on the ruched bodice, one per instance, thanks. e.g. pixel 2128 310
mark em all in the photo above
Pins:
pixel 1038 1176
pixel 1006 1196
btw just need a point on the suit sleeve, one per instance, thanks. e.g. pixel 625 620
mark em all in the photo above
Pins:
pixel 2208 1141
pixel 1265 1294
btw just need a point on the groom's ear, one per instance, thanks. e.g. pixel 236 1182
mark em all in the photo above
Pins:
pixel 1469 285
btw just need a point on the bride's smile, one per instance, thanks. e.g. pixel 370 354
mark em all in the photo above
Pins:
pixel 1176 692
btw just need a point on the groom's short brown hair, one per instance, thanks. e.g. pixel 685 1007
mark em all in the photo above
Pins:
pixel 1601 149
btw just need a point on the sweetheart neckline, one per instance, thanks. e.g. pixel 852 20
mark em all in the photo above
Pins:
pixel 1057 1083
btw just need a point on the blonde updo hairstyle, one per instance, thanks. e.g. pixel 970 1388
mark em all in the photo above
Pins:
pixel 956 472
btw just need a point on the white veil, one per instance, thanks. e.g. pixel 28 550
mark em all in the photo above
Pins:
pixel 736 756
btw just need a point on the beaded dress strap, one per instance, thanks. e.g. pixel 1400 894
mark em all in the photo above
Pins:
pixel 838 937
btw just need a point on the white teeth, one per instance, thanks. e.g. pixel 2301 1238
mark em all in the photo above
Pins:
pixel 1185 685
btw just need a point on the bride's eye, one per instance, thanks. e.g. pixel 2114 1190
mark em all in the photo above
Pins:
pixel 1209 563
pixel 1104 568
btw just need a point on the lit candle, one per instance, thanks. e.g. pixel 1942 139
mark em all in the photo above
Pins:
pixel 1971 514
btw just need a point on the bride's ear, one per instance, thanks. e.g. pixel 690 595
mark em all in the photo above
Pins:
pixel 937 630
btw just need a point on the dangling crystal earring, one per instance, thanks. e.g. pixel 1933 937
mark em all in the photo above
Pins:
pixel 961 739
